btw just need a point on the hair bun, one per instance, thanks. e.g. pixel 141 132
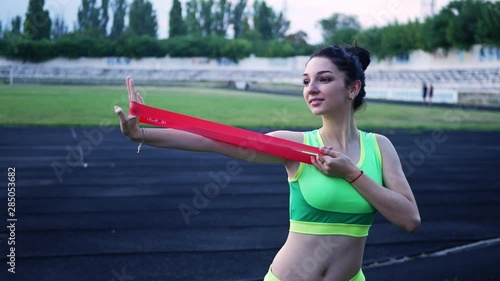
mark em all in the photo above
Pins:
pixel 362 54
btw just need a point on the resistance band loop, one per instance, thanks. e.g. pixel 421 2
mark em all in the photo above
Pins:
pixel 224 133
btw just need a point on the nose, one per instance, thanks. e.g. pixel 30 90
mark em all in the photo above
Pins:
pixel 312 88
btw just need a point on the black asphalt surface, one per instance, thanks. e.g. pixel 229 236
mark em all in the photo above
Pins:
pixel 114 215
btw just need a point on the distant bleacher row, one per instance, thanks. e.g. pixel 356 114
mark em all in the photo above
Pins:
pixel 485 80
pixel 110 74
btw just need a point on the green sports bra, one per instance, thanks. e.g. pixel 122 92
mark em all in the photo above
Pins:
pixel 324 205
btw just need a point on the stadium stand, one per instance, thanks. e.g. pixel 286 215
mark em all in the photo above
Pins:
pixel 478 80
pixel 470 75
pixel 485 80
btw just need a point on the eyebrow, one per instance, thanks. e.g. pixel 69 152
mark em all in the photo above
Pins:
pixel 319 72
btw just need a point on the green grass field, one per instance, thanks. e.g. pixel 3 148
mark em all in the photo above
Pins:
pixel 90 105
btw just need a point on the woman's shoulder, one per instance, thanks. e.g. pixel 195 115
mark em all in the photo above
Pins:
pixel 382 138
pixel 385 145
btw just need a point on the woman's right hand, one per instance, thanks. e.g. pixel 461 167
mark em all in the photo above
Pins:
pixel 129 125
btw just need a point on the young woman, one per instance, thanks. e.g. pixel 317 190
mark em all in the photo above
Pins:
pixel 332 202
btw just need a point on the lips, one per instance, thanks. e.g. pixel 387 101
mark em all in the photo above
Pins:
pixel 315 101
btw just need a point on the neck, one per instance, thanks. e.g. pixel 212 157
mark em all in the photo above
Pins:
pixel 339 131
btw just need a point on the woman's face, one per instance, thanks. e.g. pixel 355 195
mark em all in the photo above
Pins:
pixel 324 87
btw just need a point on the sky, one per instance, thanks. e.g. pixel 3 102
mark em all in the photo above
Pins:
pixel 303 15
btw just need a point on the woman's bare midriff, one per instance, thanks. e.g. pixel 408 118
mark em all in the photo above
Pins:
pixel 318 258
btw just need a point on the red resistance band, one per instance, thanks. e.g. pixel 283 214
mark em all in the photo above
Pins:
pixel 227 134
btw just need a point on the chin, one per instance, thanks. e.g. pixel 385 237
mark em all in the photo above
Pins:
pixel 317 111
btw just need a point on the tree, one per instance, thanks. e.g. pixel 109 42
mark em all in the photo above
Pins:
pixel 1 29
pixel 142 19
pixel 236 49
pixel 335 23
pixel 262 20
pixel 415 34
pixel 298 38
pixel 434 31
pixel 298 41
pixel 222 17
pixel 343 36
pixel 104 17
pixel 59 28
pixel 247 32
pixel 396 40
pixel 37 23
pixel 144 46
pixel 237 17
pixel 372 39
pixel 280 26
pixel 461 31
pixel 88 17
pixel 192 21
pixel 206 17
pixel 177 26
pixel 14 37
pixel 489 24
pixel 16 25
pixel 120 10
pixel 267 23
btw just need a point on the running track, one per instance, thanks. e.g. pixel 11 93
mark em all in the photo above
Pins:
pixel 118 218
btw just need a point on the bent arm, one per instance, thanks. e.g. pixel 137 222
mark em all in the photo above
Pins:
pixel 177 139
pixel 396 201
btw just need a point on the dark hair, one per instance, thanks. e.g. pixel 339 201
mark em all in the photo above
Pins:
pixel 353 61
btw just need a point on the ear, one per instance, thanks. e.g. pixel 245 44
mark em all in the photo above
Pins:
pixel 354 88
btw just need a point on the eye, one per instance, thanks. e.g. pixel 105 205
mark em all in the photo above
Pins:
pixel 325 79
pixel 305 82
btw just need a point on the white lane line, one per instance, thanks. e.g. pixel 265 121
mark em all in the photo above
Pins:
pixel 390 262
pixel 81 154
pixel 73 133
pixel 79 147
pixel 479 244
pixel 453 250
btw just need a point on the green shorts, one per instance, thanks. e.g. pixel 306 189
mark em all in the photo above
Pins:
pixel 270 276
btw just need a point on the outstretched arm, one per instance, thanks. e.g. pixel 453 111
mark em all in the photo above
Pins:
pixel 177 139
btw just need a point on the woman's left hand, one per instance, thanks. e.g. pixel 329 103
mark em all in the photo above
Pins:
pixel 334 164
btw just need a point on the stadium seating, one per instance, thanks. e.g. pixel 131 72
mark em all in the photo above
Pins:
pixel 464 80
pixel 473 80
